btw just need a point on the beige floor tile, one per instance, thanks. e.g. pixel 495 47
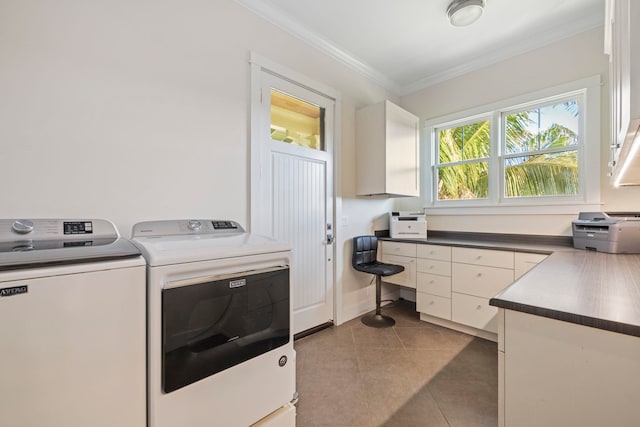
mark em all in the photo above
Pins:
pixel 414 374
pixel 432 338
pixel 376 338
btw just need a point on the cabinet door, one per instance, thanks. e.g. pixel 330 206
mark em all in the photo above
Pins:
pixel 440 253
pixel 433 305
pixel 525 262
pixel 488 257
pixel 479 280
pixel 474 311
pixel 403 158
pixel 398 248
pixel 408 276
pixel 434 284
pixel 442 268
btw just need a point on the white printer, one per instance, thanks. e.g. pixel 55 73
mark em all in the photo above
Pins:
pixel 407 225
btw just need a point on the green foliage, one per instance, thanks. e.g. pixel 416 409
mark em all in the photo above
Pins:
pixel 529 175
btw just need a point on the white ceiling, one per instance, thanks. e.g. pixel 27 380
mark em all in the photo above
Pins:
pixel 406 45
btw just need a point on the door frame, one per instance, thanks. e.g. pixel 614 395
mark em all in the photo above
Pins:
pixel 261 64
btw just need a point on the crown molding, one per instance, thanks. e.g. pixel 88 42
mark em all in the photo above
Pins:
pixel 299 31
pixel 499 55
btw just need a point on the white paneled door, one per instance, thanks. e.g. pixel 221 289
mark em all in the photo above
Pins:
pixel 292 186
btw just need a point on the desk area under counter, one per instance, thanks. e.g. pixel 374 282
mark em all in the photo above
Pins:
pixel 455 275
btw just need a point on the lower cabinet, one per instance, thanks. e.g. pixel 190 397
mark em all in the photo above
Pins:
pixel 433 305
pixel 433 281
pixel 554 373
pixel 456 283
pixel 474 311
pixel 478 275
pixel 403 254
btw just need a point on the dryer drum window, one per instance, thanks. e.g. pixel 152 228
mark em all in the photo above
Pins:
pixel 209 327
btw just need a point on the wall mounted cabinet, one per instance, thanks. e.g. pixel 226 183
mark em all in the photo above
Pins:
pixel 387 151
pixel 624 77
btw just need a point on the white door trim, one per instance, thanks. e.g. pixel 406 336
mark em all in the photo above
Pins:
pixel 260 64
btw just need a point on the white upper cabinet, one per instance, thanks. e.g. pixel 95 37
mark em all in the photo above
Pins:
pixel 387 151
pixel 623 44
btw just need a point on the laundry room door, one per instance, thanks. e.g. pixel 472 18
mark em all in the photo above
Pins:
pixel 292 187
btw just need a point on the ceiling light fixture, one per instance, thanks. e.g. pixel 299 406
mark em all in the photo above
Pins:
pixel 465 12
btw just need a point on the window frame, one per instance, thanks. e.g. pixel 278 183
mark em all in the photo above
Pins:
pixel 585 91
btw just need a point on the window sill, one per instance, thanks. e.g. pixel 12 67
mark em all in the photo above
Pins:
pixel 568 209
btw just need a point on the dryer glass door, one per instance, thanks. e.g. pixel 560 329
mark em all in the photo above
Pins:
pixel 209 327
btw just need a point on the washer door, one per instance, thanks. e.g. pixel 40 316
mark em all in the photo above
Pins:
pixel 211 326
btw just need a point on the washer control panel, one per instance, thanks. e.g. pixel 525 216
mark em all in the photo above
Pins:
pixel 55 229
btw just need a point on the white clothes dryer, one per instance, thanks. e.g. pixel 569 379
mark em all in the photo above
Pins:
pixel 220 343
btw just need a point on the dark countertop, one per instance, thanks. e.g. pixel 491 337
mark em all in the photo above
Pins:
pixel 584 287
pixel 587 288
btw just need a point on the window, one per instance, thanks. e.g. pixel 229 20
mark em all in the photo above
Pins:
pixel 541 146
pixel 530 150
pixel 463 161
pixel 296 122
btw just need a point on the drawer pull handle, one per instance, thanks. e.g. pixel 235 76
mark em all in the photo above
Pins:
pixel 431 302
pixel 479 275
pixel 479 256
pixel 431 281
pixel 479 307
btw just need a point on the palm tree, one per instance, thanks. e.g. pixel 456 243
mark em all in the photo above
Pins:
pixel 526 174
pixel 464 143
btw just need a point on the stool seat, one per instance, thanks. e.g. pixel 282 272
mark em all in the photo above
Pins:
pixel 380 268
pixel 365 255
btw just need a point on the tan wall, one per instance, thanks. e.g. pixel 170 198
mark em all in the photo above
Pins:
pixel 139 110
pixel 570 59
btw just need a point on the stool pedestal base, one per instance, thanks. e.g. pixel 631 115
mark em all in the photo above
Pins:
pixel 378 321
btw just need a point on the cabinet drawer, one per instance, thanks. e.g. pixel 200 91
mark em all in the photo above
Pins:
pixel 407 277
pixel 442 268
pixel 433 305
pixel 524 262
pixel 474 311
pixel 491 258
pixel 478 280
pixel 433 284
pixel 441 253
pixel 397 248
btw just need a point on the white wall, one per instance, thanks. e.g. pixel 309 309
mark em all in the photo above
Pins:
pixel 138 110
pixel 570 59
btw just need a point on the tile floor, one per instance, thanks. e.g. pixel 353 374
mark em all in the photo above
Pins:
pixel 414 374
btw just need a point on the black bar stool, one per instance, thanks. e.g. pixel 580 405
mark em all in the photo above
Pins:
pixel 365 253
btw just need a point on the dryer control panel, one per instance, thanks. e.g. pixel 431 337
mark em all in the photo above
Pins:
pixel 179 227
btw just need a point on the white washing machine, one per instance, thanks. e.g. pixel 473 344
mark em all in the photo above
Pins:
pixel 72 325
pixel 219 325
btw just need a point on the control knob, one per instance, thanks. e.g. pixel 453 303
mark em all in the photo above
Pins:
pixel 194 224
pixel 22 226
